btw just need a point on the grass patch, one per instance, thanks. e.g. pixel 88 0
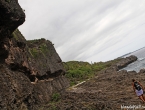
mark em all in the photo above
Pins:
pixel 79 71
pixel 55 97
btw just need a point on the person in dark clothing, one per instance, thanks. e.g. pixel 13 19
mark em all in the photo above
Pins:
pixel 138 89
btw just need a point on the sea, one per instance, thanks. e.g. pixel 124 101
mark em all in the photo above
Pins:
pixel 139 64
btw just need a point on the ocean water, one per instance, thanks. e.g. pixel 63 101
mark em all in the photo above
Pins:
pixel 140 63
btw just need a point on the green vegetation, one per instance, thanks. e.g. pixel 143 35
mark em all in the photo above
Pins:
pixel 14 35
pixel 79 71
pixel 8 1
pixel 34 52
pixel 37 41
pixel 52 105
pixel 55 97
pixel 18 36
pixel 38 47
pixel 44 48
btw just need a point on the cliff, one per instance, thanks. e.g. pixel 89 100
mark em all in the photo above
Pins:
pixel 30 71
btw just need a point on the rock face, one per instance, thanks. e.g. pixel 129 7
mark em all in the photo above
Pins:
pixel 30 71
pixel 11 16
pixel 121 64
pixel 125 61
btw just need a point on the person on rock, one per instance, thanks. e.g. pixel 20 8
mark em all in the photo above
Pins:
pixel 138 89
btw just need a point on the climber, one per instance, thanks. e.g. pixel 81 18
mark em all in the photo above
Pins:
pixel 138 89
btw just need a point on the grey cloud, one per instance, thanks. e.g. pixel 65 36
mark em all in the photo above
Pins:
pixel 86 30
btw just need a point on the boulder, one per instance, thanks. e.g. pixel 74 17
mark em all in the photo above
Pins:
pixel 125 61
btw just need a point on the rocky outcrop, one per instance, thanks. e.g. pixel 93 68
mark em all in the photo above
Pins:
pixel 11 16
pixel 46 61
pixel 125 61
pixel 142 71
pixel 121 64
pixel 30 71
pixel 37 58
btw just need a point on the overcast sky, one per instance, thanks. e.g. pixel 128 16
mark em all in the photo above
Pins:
pixel 86 30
